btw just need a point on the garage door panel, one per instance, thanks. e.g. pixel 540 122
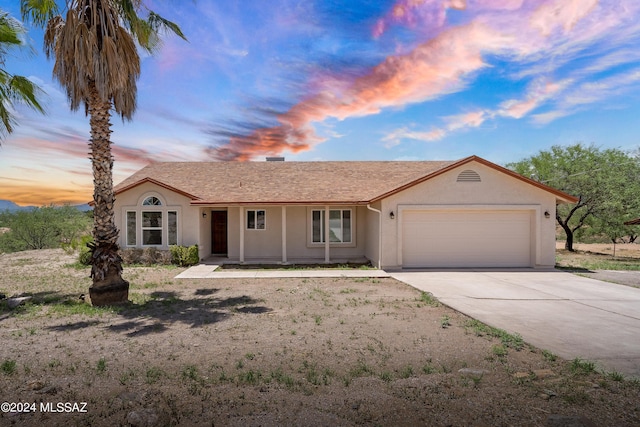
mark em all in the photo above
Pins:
pixel 466 239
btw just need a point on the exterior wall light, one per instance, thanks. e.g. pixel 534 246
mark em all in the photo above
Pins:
pixel 204 214
pixel 392 215
pixel 546 214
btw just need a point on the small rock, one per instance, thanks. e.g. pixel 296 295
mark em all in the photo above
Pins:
pixel 472 372
pixel 520 375
pixel 543 373
pixel 14 302
pixel 35 385
pixel 568 421
pixel 52 389
pixel 549 393
pixel 147 417
pixel 544 396
pixel 129 398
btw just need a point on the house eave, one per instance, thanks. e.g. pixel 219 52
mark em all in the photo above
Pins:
pixel 561 197
pixel 204 203
pixel 158 183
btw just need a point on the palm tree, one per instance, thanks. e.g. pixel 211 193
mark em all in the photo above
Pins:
pixel 13 89
pixel 97 63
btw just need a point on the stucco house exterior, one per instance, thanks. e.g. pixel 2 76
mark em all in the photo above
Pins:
pixel 422 214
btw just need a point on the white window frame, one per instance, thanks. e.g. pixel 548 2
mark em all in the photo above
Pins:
pixel 135 228
pixel 175 212
pixel 139 209
pixel 351 241
pixel 255 219
pixel 162 227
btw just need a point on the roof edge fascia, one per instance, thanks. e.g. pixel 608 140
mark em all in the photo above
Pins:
pixel 560 195
pixel 158 183
pixel 204 203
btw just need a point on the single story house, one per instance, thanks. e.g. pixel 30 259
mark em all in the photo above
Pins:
pixel 397 214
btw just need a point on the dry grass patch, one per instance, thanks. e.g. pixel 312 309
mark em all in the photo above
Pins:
pixel 277 352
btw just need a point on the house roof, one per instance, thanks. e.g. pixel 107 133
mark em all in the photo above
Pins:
pixel 346 182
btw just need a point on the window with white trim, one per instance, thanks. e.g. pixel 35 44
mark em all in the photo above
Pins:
pixel 152 201
pixel 340 226
pixel 131 228
pixel 172 228
pixel 151 223
pixel 256 219
pixel 152 228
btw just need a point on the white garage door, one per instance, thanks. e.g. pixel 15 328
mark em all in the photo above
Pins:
pixel 471 238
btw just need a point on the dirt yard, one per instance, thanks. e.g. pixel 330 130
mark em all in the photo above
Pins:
pixel 271 352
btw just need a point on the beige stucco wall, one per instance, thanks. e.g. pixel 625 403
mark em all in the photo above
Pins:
pixel 267 243
pixel 195 228
pixel 372 232
pixel 495 189
pixel 131 200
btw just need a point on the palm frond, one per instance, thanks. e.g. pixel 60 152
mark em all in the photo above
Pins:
pixel 38 11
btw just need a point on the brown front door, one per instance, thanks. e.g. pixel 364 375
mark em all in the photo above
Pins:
pixel 219 232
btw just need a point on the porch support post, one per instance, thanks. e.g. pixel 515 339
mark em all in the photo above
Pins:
pixel 327 257
pixel 284 234
pixel 241 234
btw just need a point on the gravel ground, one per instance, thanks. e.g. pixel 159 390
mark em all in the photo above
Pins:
pixel 269 352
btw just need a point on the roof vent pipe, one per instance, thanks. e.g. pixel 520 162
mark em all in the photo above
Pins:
pixel 275 159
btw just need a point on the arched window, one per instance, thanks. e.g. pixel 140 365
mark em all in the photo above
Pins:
pixel 152 201
pixel 152 224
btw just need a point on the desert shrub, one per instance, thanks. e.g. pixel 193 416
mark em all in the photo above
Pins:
pixel 146 256
pixel 165 257
pixel 184 256
pixel 149 256
pixel 43 228
pixel 84 253
pixel 131 256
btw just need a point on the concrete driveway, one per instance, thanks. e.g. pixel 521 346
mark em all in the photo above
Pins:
pixel 569 315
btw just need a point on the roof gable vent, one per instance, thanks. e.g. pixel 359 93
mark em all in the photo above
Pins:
pixel 468 176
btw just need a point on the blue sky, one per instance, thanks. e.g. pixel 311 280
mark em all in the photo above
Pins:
pixel 347 80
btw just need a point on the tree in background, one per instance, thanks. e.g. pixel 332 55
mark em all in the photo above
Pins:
pixel 96 61
pixel 607 183
pixel 13 89
pixel 46 227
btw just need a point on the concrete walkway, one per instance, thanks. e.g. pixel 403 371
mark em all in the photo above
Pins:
pixel 209 271
pixel 569 315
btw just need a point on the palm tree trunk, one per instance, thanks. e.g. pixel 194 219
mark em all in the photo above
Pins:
pixel 106 264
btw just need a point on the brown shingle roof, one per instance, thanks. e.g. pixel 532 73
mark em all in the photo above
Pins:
pixel 348 182
pixel 282 182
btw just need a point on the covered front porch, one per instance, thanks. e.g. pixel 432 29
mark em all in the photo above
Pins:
pixel 283 235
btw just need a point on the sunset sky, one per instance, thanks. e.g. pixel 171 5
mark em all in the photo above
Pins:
pixel 346 80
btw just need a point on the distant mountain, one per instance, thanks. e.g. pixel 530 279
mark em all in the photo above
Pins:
pixel 8 205
pixel 12 207
pixel 84 207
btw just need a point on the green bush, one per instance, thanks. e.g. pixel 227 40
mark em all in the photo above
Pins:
pixel 184 256
pixel 43 228
pixel 84 254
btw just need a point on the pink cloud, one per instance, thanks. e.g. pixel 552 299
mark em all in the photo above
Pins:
pixel 429 14
pixel 538 93
pixel 434 68
pixel 527 33
pixel 561 14
pixel 471 119
pixel 394 137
